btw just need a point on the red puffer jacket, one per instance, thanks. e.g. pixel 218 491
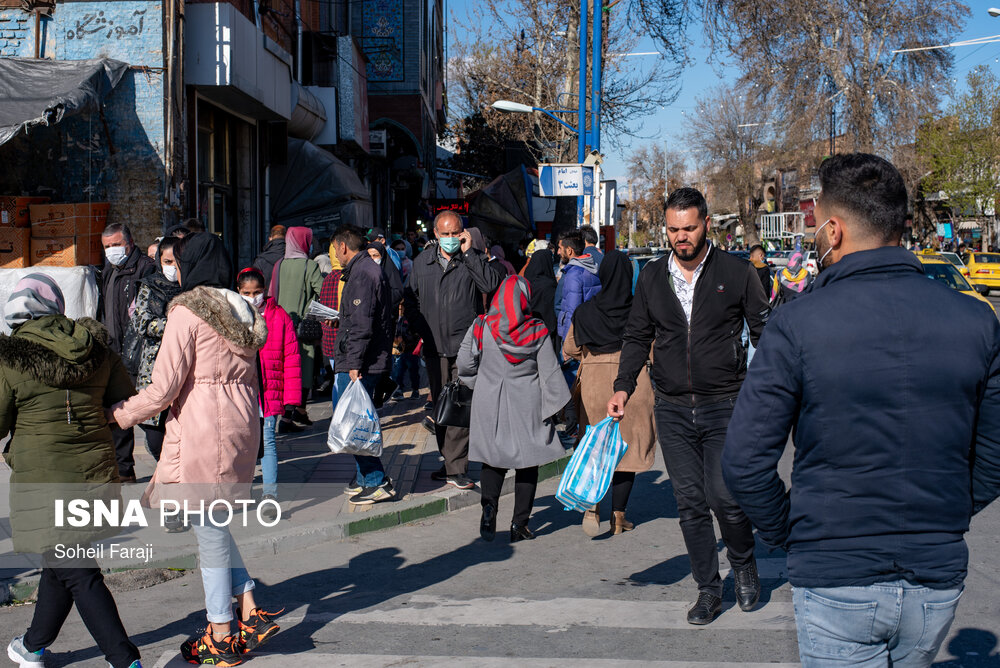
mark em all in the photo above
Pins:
pixel 279 362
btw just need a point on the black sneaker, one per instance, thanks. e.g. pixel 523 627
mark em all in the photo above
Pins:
pixel 207 651
pixel 440 475
pixel 371 495
pixel 461 481
pixel 302 417
pixel 354 487
pixel 705 609
pixel 429 406
pixel 289 427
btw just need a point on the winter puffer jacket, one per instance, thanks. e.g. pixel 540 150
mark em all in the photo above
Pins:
pixel 57 376
pixel 206 373
pixel 279 362
pixel 579 283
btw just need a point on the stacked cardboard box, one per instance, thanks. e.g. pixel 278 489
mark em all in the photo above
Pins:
pixel 66 235
pixel 15 232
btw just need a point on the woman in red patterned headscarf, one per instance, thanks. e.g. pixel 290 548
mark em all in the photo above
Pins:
pixel 508 360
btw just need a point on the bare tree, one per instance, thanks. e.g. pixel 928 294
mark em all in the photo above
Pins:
pixel 526 51
pixel 811 56
pixel 653 171
pixel 731 135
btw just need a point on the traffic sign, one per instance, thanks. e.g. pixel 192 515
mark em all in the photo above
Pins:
pixel 565 180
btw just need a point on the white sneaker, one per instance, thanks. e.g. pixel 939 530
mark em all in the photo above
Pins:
pixel 22 657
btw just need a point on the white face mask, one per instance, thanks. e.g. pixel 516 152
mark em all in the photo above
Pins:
pixel 170 272
pixel 256 301
pixel 116 255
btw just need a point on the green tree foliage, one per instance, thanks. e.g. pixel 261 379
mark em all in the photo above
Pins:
pixel 962 150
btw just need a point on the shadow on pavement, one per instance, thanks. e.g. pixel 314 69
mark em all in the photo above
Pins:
pixel 975 648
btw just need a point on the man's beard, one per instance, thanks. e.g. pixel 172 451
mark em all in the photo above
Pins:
pixel 694 252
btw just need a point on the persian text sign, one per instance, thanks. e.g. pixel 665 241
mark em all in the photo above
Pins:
pixel 565 180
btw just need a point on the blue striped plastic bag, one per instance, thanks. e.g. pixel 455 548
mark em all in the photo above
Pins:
pixel 588 474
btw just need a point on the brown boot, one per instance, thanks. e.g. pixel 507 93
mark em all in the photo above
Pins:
pixel 592 521
pixel 619 523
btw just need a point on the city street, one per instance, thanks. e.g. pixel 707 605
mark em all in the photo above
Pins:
pixel 433 593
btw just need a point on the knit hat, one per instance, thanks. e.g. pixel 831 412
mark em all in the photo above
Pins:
pixel 34 296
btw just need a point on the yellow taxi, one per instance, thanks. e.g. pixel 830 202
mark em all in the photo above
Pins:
pixel 984 269
pixel 939 269
pixel 950 257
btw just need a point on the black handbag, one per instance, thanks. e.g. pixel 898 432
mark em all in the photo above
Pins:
pixel 309 331
pixel 454 405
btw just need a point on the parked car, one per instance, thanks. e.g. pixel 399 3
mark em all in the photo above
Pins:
pixel 778 258
pixel 810 263
pixel 984 269
pixel 939 269
pixel 957 261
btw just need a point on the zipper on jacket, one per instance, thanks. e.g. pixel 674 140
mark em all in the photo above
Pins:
pixel 690 381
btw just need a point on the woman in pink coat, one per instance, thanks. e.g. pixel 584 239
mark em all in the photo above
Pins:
pixel 282 375
pixel 206 373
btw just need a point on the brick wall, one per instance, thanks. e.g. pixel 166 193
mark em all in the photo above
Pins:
pixel 118 158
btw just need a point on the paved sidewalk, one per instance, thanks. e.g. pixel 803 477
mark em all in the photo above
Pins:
pixel 314 507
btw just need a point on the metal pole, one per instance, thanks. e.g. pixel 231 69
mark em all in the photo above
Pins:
pixel 582 97
pixel 595 85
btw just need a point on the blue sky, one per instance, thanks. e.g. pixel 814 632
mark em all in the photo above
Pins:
pixel 667 123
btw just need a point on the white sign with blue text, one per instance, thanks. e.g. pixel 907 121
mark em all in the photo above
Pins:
pixel 565 180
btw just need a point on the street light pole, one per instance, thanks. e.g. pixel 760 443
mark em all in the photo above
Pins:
pixel 581 153
pixel 595 85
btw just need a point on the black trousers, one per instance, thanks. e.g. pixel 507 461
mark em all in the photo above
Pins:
pixel 154 440
pixel 124 440
pixel 525 484
pixel 68 581
pixel 453 442
pixel 692 441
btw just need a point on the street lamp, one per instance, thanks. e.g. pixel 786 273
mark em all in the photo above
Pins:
pixel 518 108
pixel 994 12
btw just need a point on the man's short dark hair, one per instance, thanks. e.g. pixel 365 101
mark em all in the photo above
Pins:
pixel 688 198
pixel 573 239
pixel 757 247
pixel 353 236
pixel 115 228
pixel 589 235
pixel 867 188
pixel 194 225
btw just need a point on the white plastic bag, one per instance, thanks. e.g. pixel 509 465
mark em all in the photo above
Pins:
pixel 354 428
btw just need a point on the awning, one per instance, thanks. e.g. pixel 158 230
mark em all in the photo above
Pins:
pixel 314 189
pixel 503 209
pixel 42 92
pixel 969 225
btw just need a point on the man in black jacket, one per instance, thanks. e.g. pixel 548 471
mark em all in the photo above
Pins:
pixel 273 251
pixel 444 296
pixel 691 307
pixel 364 345
pixel 124 267
pixel 887 424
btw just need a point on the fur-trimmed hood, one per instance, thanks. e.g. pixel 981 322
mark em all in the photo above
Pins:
pixel 58 351
pixel 228 314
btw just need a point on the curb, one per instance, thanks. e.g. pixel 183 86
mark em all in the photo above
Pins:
pixel 22 587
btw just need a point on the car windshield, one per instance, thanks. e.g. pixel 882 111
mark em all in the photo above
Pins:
pixel 948 275
pixel 953 258
pixel 987 258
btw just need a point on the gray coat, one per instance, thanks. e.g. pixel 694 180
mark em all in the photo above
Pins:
pixel 511 404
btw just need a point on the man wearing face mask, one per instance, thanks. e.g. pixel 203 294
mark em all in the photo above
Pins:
pixel 124 267
pixel 897 441
pixel 690 307
pixel 443 297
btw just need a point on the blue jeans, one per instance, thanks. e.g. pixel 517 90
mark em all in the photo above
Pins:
pixel 369 471
pixel 223 574
pixel 269 462
pixel 869 626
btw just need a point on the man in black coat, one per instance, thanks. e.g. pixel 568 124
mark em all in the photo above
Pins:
pixel 364 344
pixel 273 251
pixel 444 296
pixel 125 265
pixel 691 307
pixel 890 385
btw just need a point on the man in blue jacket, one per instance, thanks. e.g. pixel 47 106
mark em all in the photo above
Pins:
pixel 887 422
pixel 579 280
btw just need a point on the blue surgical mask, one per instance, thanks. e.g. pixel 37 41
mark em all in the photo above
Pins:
pixel 450 244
